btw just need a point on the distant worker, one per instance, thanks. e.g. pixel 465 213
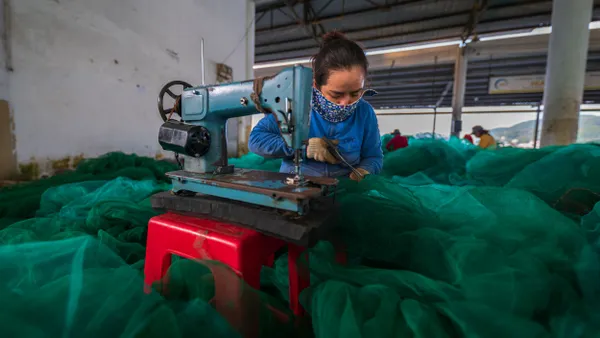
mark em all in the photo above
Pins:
pixel 486 141
pixel 397 142
pixel 468 138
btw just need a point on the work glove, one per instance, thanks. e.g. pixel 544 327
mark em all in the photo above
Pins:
pixel 357 178
pixel 317 150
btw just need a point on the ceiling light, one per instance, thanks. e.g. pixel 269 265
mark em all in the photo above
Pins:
pixel 281 63
pixel 413 47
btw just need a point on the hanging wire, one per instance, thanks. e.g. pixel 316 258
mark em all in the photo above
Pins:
pixel 254 19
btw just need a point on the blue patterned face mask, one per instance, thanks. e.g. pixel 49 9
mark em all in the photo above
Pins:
pixel 333 112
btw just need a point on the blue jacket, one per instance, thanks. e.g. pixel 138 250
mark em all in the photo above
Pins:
pixel 359 138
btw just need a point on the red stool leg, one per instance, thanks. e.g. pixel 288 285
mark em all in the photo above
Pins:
pixel 228 293
pixel 341 257
pixel 158 259
pixel 240 306
pixel 270 260
pixel 251 275
pixel 155 269
pixel 340 254
pixel 251 264
pixel 299 276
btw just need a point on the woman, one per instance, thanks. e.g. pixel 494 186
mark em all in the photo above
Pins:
pixel 486 141
pixel 339 114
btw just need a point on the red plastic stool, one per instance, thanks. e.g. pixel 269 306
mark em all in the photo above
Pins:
pixel 244 250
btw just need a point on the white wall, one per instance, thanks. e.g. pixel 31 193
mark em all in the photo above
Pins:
pixel 87 72
pixel 244 125
pixel 414 124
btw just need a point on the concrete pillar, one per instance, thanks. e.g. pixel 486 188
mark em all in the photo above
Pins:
pixel 5 48
pixel 565 71
pixel 245 123
pixel 458 92
pixel 8 158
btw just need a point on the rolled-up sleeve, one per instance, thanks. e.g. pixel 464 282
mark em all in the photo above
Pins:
pixel 371 153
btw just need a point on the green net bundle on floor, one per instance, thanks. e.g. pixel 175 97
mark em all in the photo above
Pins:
pixel 449 241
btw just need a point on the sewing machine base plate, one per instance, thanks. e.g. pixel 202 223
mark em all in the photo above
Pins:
pixel 264 188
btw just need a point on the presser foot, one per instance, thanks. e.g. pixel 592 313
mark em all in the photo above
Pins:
pixel 297 181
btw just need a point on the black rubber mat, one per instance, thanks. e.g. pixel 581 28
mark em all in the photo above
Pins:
pixel 301 230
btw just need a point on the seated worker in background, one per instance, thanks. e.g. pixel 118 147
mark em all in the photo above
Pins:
pixel 397 142
pixel 339 113
pixel 468 138
pixel 486 141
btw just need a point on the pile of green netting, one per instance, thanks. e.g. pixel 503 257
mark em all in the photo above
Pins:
pixel 449 241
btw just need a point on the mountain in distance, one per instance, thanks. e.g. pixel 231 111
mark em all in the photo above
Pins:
pixel 589 130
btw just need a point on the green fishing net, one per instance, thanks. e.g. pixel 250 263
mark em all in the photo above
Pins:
pixel 79 287
pixel 438 160
pixel 384 141
pixel 256 162
pixel 450 241
pixel 21 202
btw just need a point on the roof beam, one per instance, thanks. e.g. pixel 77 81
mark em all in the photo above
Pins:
pixel 392 25
pixel 302 21
pixel 479 7
pixel 347 15
pixel 395 35
pixel 414 21
pixel 324 7
pixel 270 7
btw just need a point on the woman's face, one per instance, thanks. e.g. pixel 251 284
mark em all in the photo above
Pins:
pixel 344 86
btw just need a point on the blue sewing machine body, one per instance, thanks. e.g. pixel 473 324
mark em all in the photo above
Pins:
pixel 200 137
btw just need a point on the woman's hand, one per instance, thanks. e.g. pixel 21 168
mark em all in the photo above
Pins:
pixel 357 178
pixel 317 150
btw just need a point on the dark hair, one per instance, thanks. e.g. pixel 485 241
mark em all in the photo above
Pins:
pixel 337 53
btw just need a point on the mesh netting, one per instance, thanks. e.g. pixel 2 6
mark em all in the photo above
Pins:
pixel 438 160
pixel 104 168
pixel 384 141
pixel 450 241
pixel 79 287
pixel 253 161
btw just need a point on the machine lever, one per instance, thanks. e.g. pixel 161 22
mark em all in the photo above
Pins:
pixel 333 150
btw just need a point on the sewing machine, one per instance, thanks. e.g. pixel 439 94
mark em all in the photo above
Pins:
pixel 200 139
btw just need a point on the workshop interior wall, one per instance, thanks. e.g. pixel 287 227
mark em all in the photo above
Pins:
pixel 87 72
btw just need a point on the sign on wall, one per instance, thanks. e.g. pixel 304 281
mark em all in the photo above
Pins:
pixel 533 83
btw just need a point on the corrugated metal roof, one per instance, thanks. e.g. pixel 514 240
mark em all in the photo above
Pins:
pixel 291 29
pixel 423 86
pixel 281 34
